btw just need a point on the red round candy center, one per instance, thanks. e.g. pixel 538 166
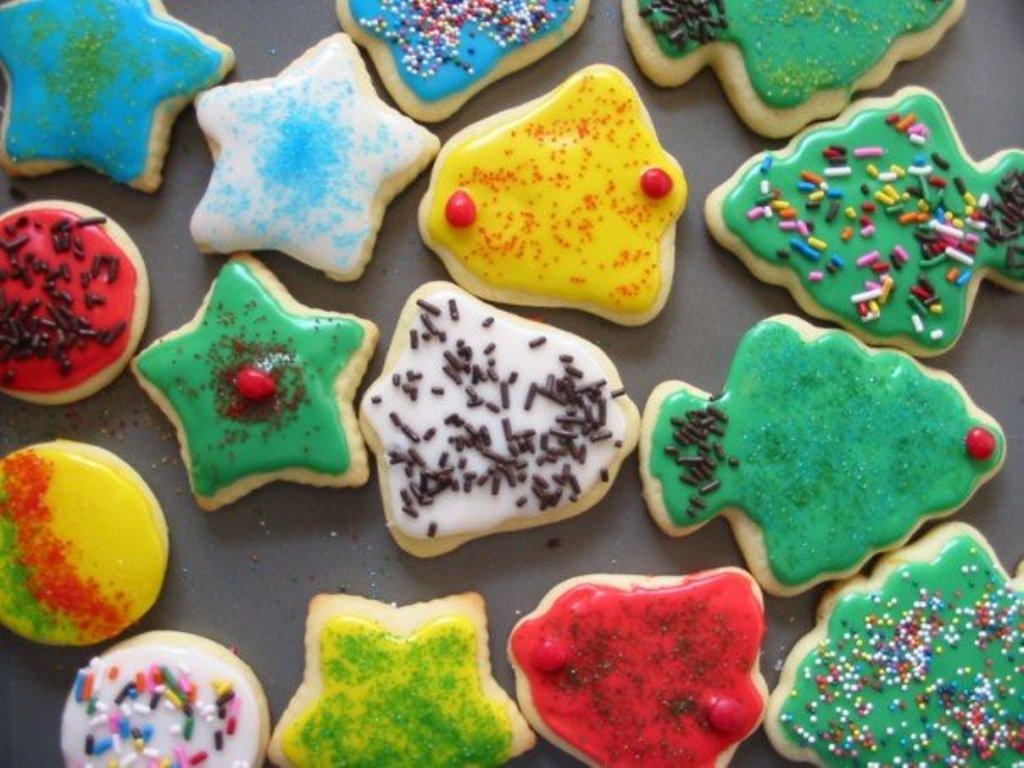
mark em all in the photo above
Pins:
pixel 656 183
pixel 981 444
pixel 726 714
pixel 550 656
pixel 255 384
pixel 460 210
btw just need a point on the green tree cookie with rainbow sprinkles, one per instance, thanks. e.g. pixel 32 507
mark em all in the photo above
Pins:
pixel 820 452
pixel 880 222
pixel 784 63
pixel 918 665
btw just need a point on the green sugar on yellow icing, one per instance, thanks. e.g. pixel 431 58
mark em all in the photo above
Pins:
pixel 792 49
pixel 839 451
pixel 229 438
pixel 391 702
pixel 878 248
pixel 925 670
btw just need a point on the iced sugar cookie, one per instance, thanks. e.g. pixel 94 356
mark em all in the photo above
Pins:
pixel 434 55
pixel 306 162
pixel 260 388
pixel 783 64
pixel 74 297
pixel 166 698
pixel 484 422
pixel 99 83
pixel 918 665
pixel 83 544
pixel 820 452
pixel 644 671
pixel 568 200
pixel 390 686
pixel 879 221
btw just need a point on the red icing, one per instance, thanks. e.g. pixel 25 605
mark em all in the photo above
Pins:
pixel 460 210
pixel 656 183
pixel 110 306
pixel 255 384
pixel 50 573
pixel 981 444
pixel 653 677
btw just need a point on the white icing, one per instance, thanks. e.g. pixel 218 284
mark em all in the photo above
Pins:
pixel 478 510
pixel 302 159
pixel 240 750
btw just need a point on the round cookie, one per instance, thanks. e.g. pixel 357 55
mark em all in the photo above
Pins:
pixel 166 698
pixel 783 64
pixel 566 201
pixel 74 298
pixel 819 451
pixel 83 544
pixel 99 83
pixel 389 685
pixel 917 665
pixel 879 221
pixel 260 388
pixel 485 422
pixel 430 74
pixel 653 672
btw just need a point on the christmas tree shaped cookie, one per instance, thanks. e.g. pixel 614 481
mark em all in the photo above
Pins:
pixel 819 451
pixel 918 665
pixel 260 388
pixel 784 64
pixel 644 671
pixel 434 55
pixel 569 200
pixel 880 221
pixel 387 686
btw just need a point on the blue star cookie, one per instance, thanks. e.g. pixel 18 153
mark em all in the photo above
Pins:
pixel 99 83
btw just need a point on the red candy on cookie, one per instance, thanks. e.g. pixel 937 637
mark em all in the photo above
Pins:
pixel 653 672
pixel 74 296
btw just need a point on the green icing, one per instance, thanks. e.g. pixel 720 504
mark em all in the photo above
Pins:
pixel 925 670
pixel 998 247
pixel 229 438
pixel 841 452
pixel 792 49
pixel 391 702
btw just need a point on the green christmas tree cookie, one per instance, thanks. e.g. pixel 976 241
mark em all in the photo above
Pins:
pixel 820 452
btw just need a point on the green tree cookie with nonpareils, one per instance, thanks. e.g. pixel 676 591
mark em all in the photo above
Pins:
pixel 820 452
pixel 880 221
pixel 920 665
pixel 784 63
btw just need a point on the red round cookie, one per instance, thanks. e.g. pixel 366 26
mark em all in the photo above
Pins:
pixel 74 296
pixel 653 672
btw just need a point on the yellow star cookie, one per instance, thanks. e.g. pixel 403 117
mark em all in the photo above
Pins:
pixel 569 200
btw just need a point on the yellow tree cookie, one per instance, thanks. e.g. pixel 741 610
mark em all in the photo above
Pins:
pixel 569 200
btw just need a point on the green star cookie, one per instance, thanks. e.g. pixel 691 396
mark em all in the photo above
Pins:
pixel 389 687
pixel 820 452
pixel 260 388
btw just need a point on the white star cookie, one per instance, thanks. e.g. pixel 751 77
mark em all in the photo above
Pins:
pixel 306 162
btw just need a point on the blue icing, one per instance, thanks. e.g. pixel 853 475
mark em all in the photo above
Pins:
pixel 87 76
pixel 477 35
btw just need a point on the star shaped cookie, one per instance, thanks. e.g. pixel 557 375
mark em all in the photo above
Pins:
pixel 99 83
pixel 306 162
pixel 260 388
pixel 398 686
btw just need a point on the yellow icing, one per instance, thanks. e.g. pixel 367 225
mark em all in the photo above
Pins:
pixel 560 209
pixel 108 520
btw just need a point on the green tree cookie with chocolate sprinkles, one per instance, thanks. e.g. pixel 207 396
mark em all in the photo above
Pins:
pixel 880 222
pixel 918 665
pixel 820 452
pixel 784 63
pixel 260 388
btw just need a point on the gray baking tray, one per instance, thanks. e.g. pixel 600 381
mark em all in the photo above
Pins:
pixel 244 575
